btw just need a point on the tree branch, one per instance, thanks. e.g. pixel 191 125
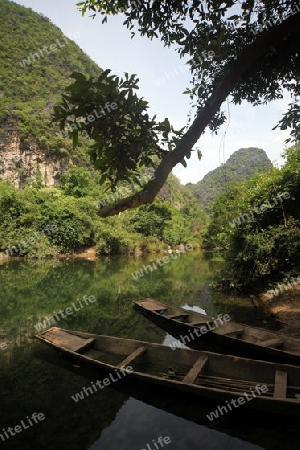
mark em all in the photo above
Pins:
pixel 232 75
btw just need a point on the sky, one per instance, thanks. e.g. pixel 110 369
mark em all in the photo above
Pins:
pixel 163 78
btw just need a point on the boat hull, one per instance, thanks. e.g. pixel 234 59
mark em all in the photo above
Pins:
pixel 218 388
pixel 184 332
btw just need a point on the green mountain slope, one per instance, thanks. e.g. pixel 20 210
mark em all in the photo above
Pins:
pixel 36 63
pixel 33 76
pixel 257 224
pixel 241 166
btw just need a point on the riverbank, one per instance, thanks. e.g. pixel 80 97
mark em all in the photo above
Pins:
pixel 285 308
pixel 92 253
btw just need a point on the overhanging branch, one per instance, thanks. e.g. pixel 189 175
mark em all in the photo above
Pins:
pixel 232 75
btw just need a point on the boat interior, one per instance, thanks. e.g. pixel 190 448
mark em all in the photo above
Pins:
pixel 205 369
pixel 246 333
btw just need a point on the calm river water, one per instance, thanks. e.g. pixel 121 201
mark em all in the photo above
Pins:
pixel 36 379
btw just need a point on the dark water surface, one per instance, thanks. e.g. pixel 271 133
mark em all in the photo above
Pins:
pixel 37 379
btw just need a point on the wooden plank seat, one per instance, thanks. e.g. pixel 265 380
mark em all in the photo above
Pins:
pixel 236 332
pixel 280 384
pixel 276 343
pixel 195 370
pixel 177 316
pixel 87 343
pixel 68 341
pixel 202 322
pixel 130 358
pixel 151 305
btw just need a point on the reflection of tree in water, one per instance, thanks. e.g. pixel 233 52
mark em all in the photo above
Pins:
pixel 136 422
pixel 203 295
pixel 38 385
pixel 47 286
pixel 18 335
pixel 34 377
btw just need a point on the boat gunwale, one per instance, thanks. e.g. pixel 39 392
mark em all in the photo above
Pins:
pixel 225 337
pixel 162 380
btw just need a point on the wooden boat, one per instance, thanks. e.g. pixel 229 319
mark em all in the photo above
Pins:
pixel 226 336
pixel 206 374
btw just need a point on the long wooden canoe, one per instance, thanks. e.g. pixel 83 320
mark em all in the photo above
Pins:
pixel 226 336
pixel 206 374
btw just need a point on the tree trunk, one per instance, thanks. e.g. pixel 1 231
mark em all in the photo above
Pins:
pixel 232 75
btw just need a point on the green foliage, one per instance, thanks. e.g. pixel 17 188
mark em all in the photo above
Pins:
pixel 74 220
pixel 184 223
pixel 260 232
pixel 79 182
pixel 72 207
pixel 226 29
pixel 151 220
pixel 38 179
pixel 241 166
pixel 25 214
pixel 29 90
pixel 125 138
pixel 176 232
pixel 272 252
pixel 291 120
pixel 115 240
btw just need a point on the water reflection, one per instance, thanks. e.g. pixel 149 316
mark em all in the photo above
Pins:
pixel 150 411
pixel 34 378
pixel 142 424
pixel 194 308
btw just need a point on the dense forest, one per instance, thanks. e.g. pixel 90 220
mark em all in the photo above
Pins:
pixel 72 208
pixel 258 239
pixel 32 84
pixel 90 209
pixel 257 225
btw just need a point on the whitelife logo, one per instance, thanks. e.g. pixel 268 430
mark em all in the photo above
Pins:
pixel 47 50
pixel 205 328
pixel 259 210
pixel 291 283
pixel 41 326
pixel 86 120
pixel 236 403
pixel 3 346
pixel 160 261
pixel 161 441
pixel 36 417
pixel 122 372
pixel 49 230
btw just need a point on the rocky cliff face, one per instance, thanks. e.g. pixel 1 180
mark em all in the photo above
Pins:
pixel 31 84
pixel 21 163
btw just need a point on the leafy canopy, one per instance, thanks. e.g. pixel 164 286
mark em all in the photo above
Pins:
pixel 226 28
pixel 256 56
pixel 260 232
pixel 109 111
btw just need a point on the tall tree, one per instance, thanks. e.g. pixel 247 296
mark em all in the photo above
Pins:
pixel 246 50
